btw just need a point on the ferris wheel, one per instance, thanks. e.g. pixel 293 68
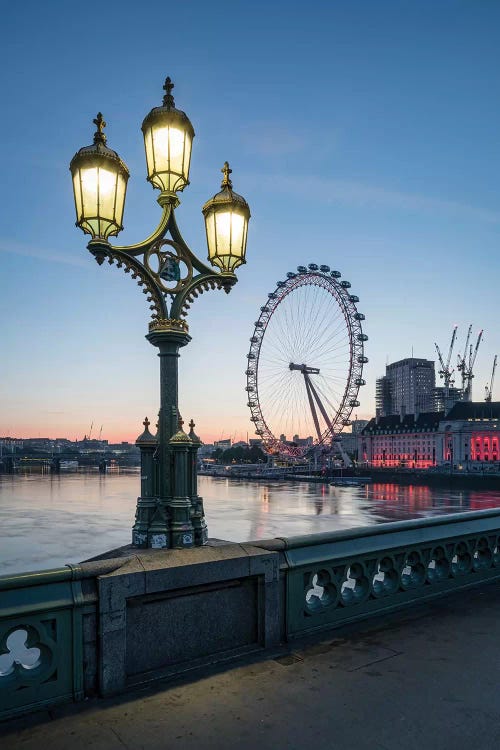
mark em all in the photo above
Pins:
pixel 305 363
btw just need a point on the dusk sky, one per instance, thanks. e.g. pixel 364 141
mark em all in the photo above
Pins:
pixel 364 135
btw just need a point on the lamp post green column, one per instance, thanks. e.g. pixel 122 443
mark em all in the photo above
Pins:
pixel 181 530
pixel 169 511
pixel 169 339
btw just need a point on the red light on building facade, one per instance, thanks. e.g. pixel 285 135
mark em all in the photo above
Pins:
pixel 483 447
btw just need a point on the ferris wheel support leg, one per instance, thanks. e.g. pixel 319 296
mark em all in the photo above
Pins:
pixel 321 407
pixel 311 404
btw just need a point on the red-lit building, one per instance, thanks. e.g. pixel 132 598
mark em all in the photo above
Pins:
pixel 402 441
pixel 471 434
pixel 468 436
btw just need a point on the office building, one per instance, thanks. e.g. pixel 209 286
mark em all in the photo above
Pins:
pixel 408 387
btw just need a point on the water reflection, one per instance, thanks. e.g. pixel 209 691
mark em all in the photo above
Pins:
pixel 53 519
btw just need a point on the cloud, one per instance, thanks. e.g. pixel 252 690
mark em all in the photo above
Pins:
pixel 30 251
pixel 362 194
pixel 272 139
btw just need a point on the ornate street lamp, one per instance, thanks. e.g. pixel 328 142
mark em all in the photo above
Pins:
pixel 169 510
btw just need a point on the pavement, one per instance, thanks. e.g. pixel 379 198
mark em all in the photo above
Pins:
pixel 425 679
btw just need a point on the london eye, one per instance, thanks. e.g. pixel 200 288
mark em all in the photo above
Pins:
pixel 305 363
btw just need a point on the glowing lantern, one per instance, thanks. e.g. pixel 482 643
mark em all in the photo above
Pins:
pixel 168 138
pixel 99 186
pixel 226 222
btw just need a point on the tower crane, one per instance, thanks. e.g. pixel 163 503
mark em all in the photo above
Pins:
pixel 466 364
pixel 488 392
pixel 446 371
pixel 461 361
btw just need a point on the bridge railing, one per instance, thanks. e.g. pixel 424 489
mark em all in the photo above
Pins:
pixel 46 644
pixel 339 577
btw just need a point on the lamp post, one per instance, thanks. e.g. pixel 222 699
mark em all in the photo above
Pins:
pixel 169 511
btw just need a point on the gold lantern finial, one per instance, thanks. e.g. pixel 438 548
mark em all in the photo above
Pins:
pixel 100 123
pixel 226 171
pixel 168 99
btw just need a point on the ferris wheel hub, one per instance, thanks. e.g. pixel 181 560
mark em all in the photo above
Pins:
pixel 304 369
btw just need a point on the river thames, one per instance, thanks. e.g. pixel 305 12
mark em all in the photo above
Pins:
pixel 50 520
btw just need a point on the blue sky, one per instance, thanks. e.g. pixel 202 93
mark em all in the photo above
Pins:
pixel 363 135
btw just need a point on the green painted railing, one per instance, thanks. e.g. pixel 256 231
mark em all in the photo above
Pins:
pixel 340 577
pixel 41 636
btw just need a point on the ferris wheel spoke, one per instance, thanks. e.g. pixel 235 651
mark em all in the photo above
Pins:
pixel 332 398
pixel 329 334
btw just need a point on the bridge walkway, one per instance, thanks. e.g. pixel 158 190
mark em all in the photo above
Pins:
pixel 425 679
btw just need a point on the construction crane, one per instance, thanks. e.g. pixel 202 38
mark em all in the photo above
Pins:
pixel 446 371
pixel 461 360
pixel 466 363
pixel 488 391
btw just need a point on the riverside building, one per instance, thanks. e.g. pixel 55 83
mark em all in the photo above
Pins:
pixel 466 437
pixel 409 441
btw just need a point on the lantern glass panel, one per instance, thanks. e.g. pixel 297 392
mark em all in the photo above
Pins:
pixel 168 156
pixel 211 238
pixel 99 199
pixel 226 237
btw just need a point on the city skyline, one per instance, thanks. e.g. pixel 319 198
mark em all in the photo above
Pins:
pixel 365 138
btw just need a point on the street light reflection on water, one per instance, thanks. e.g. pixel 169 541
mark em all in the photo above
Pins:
pixel 47 521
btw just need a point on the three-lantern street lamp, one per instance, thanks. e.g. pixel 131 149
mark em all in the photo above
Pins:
pixel 169 510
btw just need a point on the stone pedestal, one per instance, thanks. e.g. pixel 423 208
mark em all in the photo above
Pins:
pixel 197 606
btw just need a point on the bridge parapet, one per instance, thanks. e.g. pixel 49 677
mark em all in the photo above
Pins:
pixel 133 616
pixel 335 578
pixel 47 636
